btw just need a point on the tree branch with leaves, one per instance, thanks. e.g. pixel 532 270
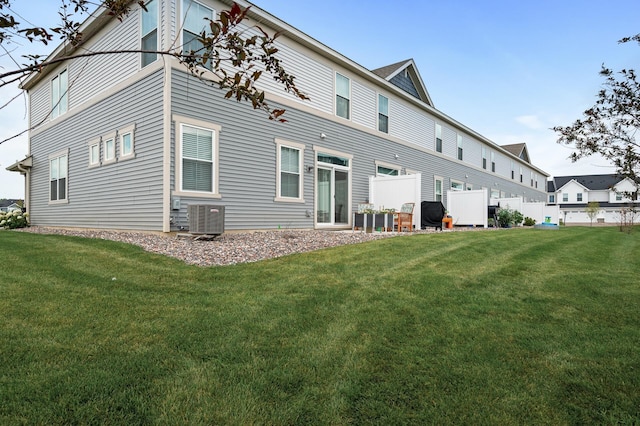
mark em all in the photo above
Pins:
pixel 232 56
pixel 610 127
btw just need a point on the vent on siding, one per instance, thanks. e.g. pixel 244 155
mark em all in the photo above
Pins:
pixel 206 219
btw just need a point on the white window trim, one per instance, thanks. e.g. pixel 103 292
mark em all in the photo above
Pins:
pixel 94 143
pixel 130 129
pixel 388 166
pixel 456 182
pixel 300 147
pixel 193 122
pixel 106 138
pixel 58 154
pixel 435 187
pixel 335 96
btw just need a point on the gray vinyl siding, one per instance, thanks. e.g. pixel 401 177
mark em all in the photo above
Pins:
pixel 405 83
pixel 122 195
pixel 412 126
pixel 247 159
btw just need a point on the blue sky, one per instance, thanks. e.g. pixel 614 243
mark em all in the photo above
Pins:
pixel 509 70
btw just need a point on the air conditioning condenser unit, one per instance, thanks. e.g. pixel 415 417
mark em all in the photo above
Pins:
pixel 206 219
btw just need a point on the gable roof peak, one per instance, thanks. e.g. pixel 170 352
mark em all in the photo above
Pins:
pixel 389 72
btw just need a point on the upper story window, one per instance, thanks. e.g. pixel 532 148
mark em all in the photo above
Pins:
pixel 531 178
pixel 565 197
pixel 343 95
pixel 579 197
pixel 552 198
pixel 438 138
pixel 59 98
pixel 383 114
pixel 149 32
pixel 195 23
pixel 513 170
pixel 493 161
pixel 460 146
pixel 521 175
pixel 484 157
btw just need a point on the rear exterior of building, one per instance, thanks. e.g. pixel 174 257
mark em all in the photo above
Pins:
pixel 130 141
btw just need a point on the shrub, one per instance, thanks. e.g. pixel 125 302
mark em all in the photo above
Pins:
pixel 14 219
pixel 529 221
pixel 508 217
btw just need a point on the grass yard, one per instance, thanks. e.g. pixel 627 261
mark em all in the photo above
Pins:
pixel 503 327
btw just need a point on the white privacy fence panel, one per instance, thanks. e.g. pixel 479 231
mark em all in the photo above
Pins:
pixel 468 207
pixel 537 211
pixel 394 191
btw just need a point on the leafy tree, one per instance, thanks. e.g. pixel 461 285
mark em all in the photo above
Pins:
pixel 225 40
pixel 592 210
pixel 609 127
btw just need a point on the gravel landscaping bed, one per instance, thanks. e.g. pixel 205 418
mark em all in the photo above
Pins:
pixel 230 248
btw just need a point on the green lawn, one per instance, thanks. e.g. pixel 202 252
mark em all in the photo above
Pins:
pixel 502 327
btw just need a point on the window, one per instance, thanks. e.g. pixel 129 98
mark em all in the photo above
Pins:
pixel 196 158
pixel 552 198
pixel 343 91
pixel 618 196
pixel 438 189
pixel 495 193
pixel 565 197
pixel 383 114
pixel 579 197
pixel 438 138
pixel 149 32
pixel 460 151
pixel 94 153
pixel 387 171
pixel 484 158
pixel 513 170
pixel 493 161
pixel 59 98
pixel 289 166
pixel 194 25
pixel 109 148
pixel 457 186
pixel 58 167
pixel 521 175
pixel 126 140
pixel 531 178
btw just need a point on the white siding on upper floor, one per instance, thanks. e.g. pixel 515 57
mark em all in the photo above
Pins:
pixel 91 76
pixel 449 142
pixel 363 105
pixel 412 126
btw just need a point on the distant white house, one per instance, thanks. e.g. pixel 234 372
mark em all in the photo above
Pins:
pixel 573 193
pixel 10 205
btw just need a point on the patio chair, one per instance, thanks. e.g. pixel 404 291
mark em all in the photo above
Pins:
pixel 404 218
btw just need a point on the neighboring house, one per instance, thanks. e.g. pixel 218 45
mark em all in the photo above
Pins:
pixel 573 194
pixel 129 141
pixel 7 205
